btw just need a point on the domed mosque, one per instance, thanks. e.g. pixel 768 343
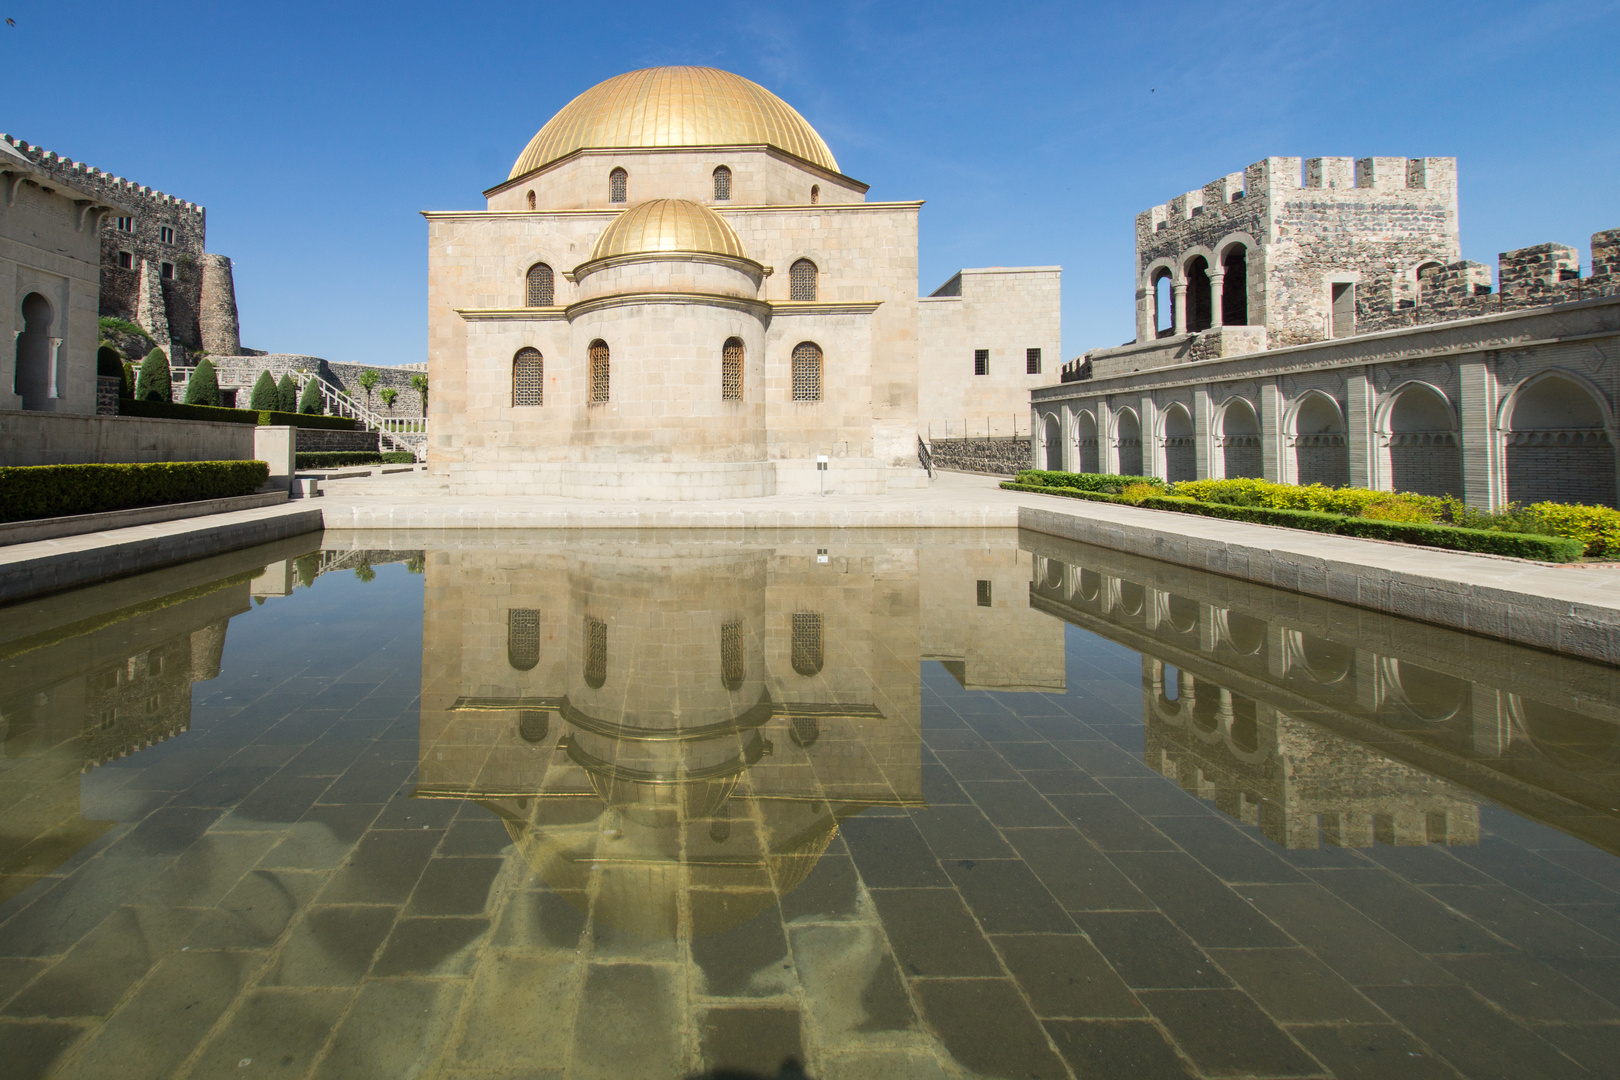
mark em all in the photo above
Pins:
pixel 677 294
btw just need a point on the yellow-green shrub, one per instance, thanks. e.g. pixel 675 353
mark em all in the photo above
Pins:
pixel 1598 527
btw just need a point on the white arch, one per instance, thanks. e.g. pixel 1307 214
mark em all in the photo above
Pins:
pixel 1226 407
pixel 1226 243
pixel 1163 426
pixel 1194 252
pixel 1164 262
pixel 1504 414
pixel 1291 414
pixel 1386 407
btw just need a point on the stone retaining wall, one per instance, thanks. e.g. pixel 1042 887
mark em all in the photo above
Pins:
pixel 322 440
pixel 998 457
pixel 40 438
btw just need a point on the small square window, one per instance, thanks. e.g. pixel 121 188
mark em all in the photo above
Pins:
pixel 1032 361
pixel 168 271
pixel 126 224
pixel 126 260
pixel 166 234
pixel 984 593
pixel 981 361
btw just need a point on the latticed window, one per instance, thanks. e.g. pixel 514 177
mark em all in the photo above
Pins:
pixel 731 370
pixel 600 366
pixel 595 653
pixel 731 656
pixel 541 280
pixel 1032 361
pixel 985 593
pixel 981 361
pixel 522 638
pixel 802 280
pixel 808 645
pixel 806 372
pixel 618 186
pixel 528 378
pixel 722 184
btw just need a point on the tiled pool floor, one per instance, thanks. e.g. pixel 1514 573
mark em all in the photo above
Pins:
pixel 603 809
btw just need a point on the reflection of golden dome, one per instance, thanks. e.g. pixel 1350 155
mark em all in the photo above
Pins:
pixel 668 225
pixel 674 106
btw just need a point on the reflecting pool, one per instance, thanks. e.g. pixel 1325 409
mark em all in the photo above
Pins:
pixel 912 804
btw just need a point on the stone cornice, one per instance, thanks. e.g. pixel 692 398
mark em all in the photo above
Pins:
pixel 619 151
pixel 592 265
pixel 762 308
pixel 1463 337
pixel 723 211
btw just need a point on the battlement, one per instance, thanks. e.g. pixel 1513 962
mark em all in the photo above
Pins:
pixel 1526 277
pixel 1272 176
pixel 116 188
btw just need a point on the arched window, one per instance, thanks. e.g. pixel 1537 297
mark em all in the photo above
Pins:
pixel 1164 308
pixel 595 653
pixel 533 725
pixel 599 371
pixel 522 638
pixel 531 200
pixel 34 377
pixel 1425 281
pixel 722 184
pixel 815 194
pixel 1235 287
pixel 731 370
pixel 1200 311
pixel 1128 433
pixel 528 378
pixel 618 186
pixel 1558 446
pixel 1240 440
pixel 731 656
pixel 541 280
pixel 1180 455
pixel 802 280
pixel 808 651
pixel 806 371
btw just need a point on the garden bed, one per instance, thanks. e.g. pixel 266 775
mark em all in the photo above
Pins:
pixel 1548 532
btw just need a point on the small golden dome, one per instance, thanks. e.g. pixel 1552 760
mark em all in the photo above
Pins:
pixel 674 106
pixel 675 225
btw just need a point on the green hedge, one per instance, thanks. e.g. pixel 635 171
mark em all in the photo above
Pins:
pixel 28 492
pixel 166 410
pixel 1482 541
pixel 1107 483
pixel 337 459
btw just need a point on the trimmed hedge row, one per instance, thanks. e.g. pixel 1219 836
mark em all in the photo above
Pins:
pixel 28 492
pixel 337 459
pixel 1108 483
pixel 1482 541
pixel 167 410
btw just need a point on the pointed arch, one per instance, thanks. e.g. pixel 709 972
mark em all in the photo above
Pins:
pixel 1321 444
pixel 1085 438
pixel 1559 434
pixel 1418 431
pixel 1180 452
pixel 1238 424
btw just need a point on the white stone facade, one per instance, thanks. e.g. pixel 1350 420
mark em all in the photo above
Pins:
pixel 668 429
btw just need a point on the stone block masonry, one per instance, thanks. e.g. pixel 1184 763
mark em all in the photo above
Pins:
pixel 997 457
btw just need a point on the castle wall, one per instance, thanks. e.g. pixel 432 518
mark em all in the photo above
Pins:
pixel 1460 431
pixel 1007 310
pixel 760 176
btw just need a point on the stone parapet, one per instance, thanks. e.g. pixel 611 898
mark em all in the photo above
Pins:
pixel 997 457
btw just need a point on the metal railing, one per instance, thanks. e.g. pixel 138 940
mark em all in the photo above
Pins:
pixel 924 456
pixel 388 428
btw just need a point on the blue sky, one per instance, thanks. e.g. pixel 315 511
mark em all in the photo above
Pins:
pixel 315 133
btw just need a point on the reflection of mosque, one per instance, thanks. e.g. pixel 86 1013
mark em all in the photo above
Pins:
pixel 650 720
pixel 77 696
pixel 1315 721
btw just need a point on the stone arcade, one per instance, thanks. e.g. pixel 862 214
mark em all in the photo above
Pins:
pixel 677 294
pixel 1323 329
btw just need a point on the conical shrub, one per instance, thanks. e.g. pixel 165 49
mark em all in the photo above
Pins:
pixel 264 396
pixel 128 389
pixel 310 400
pixel 152 384
pixel 203 386
pixel 287 394
pixel 111 366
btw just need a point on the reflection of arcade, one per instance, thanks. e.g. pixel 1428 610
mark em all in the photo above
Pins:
pixel 1302 716
pixel 652 721
pixel 77 696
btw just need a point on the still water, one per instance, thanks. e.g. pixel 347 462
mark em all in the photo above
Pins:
pixel 889 805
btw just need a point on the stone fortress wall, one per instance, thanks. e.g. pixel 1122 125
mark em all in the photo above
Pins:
pixel 1354 347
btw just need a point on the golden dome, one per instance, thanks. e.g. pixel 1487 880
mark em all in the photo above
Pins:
pixel 668 225
pixel 674 106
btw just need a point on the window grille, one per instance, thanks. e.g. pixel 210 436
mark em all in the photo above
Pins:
pixel 802 280
pixel 595 653
pixel 541 281
pixel 618 186
pixel 731 370
pixel 1032 361
pixel 165 234
pixel 731 656
pixel 533 725
pixel 126 260
pixel 722 184
pixel 984 593
pixel 808 643
pixel 806 372
pixel 522 638
pixel 981 361
pixel 528 378
pixel 531 200
pixel 599 371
